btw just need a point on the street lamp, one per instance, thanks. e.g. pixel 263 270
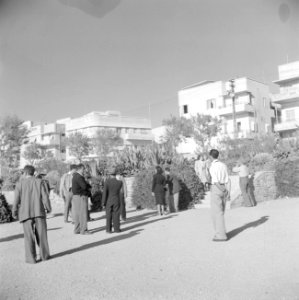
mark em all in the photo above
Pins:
pixel 231 93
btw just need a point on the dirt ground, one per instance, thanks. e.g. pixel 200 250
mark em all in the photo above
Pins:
pixel 170 257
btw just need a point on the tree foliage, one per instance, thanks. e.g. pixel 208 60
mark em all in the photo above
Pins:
pixel 36 152
pixel 79 145
pixel 12 135
pixel 106 141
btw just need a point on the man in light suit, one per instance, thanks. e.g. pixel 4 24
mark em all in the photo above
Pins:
pixel 111 200
pixel 32 200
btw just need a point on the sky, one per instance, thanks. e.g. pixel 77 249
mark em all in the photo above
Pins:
pixel 65 58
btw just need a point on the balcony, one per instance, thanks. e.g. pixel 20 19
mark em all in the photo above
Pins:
pixel 286 98
pixel 240 108
pixel 287 125
pixel 138 136
pixel 242 134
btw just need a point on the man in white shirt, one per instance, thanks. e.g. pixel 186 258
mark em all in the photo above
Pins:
pixel 219 194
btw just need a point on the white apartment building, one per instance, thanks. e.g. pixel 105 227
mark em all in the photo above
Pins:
pixel 51 135
pixel 288 100
pixel 253 110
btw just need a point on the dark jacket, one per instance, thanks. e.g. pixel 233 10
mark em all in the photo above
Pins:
pixel 32 197
pixel 173 184
pixel 80 186
pixel 112 189
pixel 158 185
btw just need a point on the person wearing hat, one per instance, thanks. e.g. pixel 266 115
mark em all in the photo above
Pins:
pixel 31 201
pixel 111 200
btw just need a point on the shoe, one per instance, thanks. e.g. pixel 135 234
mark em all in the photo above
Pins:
pixel 108 231
pixel 117 231
pixel 219 240
pixel 65 221
pixel 86 232
pixel 91 220
pixel 76 232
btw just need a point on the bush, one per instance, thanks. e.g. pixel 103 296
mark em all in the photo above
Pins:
pixel 11 179
pixel 287 176
pixel 262 162
pixel 5 211
pixel 191 188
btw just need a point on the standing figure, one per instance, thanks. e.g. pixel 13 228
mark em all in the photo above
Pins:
pixel 174 189
pixel 111 200
pixel 123 196
pixel 65 191
pixel 200 167
pixel 158 189
pixel 219 193
pixel 243 173
pixel 80 189
pixel 32 200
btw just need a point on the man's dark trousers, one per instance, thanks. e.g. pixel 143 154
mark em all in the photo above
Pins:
pixel 244 186
pixel 35 228
pixel 80 208
pixel 112 215
pixel 123 213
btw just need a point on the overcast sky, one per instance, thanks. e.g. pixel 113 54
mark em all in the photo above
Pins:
pixel 65 58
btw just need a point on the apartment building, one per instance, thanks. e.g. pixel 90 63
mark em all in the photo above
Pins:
pixel 253 110
pixel 287 121
pixel 51 135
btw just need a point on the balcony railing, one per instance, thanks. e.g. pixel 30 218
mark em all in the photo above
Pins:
pixel 138 136
pixel 228 110
pixel 287 125
pixel 286 97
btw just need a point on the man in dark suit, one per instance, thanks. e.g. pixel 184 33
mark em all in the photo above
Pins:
pixel 32 199
pixel 81 191
pixel 111 200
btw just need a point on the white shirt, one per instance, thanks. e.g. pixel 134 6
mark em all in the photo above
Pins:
pixel 218 172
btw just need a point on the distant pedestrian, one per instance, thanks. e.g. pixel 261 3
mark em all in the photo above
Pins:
pixel 201 170
pixel 31 201
pixel 219 195
pixel 159 189
pixel 65 191
pixel 111 200
pixel 81 191
pixel 243 173
pixel 123 196
pixel 174 189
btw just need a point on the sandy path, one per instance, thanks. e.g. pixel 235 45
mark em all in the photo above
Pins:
pixel 171 257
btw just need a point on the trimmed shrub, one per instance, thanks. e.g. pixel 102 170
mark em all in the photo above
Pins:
pixel 287 176
pixel 191 191
pixel 262 162
pixel 11 179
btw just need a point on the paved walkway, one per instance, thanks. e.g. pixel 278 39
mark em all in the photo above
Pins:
pixel 169 257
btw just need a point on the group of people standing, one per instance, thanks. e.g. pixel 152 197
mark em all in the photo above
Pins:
pixel 32 203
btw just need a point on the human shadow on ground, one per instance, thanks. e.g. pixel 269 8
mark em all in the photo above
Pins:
pixel 124 228
pixel 21 235
pixel 98 243
pixel 231 234
pixel 56 215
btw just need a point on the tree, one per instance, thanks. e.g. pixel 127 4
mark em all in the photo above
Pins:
pixel 79 145
pixel 204 128
pixel 12 135
pixel 106 141
pixel 177 129
pixel 36 152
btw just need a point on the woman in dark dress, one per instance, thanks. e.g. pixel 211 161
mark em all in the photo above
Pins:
pixel 158 190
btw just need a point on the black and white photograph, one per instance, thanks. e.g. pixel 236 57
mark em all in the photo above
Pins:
pixel 149 149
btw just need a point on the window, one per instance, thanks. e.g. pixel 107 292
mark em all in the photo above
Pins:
pixel 185 109
pixel 211 104
pixel 290 115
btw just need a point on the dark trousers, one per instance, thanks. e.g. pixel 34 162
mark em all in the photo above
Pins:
pixel 123 213
pixel 67 205
pixel 112 216
pixel 80 213
pixel 244 186
pixel 35 229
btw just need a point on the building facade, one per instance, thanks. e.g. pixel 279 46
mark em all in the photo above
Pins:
pixel 287 121
pixel 253 110
pixel 51 136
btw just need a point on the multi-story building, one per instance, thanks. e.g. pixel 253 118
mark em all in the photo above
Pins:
pixel 287 124
pixel 51 135
pixel 253 111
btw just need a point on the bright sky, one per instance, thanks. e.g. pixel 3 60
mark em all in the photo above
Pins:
pixel 65 58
